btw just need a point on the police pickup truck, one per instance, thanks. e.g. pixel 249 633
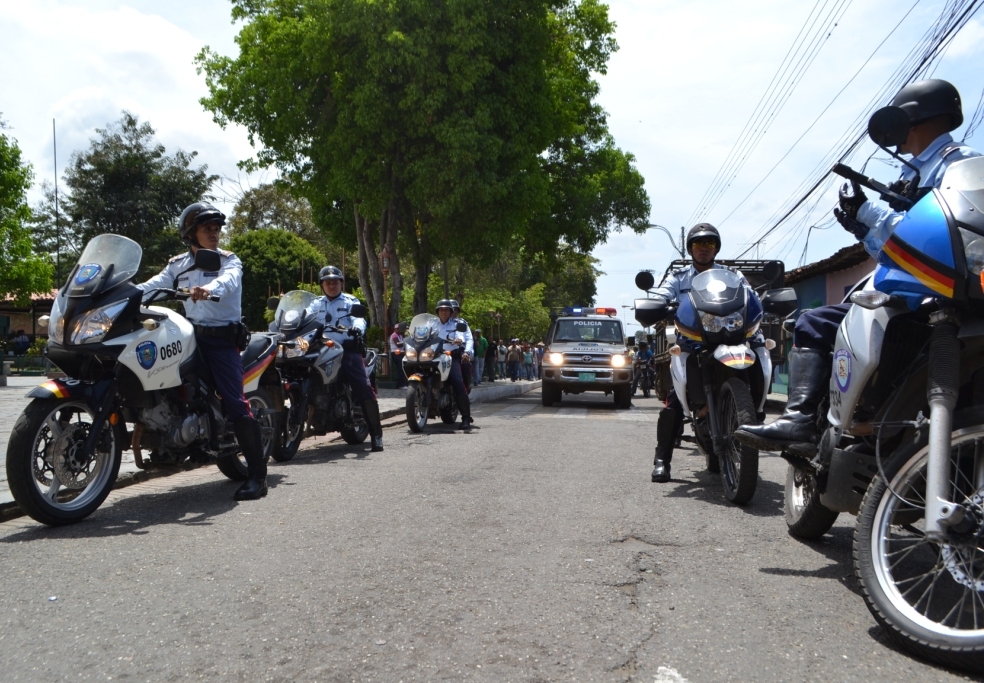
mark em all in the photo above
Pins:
pixel 586 352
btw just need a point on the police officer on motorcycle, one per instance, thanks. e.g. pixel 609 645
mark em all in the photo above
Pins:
pixel 219 331
pixel 641 360
pixel 463 341
pixel 703 245
pixel 334 309
pixel 467 371
pixel 934 111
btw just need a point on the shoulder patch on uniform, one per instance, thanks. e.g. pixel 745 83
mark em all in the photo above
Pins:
pixel 948 150
pixel 224 252
pixel 177 258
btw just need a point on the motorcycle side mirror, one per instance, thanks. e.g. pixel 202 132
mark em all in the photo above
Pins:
pixel 644 280
pixel 771 271
pixel 889 127
pixel 780 302
pixel 272 327
pixel 651 311
pixel 273 302
pixel 461 327
pixel 208 260
pixel 359 311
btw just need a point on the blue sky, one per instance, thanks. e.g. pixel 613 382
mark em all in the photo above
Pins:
pixel 678 93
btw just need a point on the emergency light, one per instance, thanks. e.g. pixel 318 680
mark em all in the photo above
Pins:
pixel 581 310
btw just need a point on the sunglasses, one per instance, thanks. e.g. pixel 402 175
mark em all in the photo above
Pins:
pixel 704 244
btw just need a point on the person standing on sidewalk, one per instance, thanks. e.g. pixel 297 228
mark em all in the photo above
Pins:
pixel 396 355
pixel 501 362
pixel 481 347
pixel 491 353
pixel 219 331
pixel 514 358
pixel 527 362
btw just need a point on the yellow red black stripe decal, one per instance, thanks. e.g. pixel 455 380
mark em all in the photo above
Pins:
pixel 688 333
pixel 928 271
pixel 55 388
pixel 258 370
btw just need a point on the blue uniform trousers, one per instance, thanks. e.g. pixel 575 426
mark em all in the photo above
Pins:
pixel 817 328
pixel 226 366
pixel 454 377
pixel 353 373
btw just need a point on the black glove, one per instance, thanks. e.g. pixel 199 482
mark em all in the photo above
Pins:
pixel 851 198
pixel 354 332
pixel 899 187
pixel 859 230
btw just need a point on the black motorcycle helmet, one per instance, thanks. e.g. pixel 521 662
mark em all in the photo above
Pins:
pixel 928 99
pixel 445 303
pixel 455 306
pixel 195 215
pixel 703 231
pixel 330 273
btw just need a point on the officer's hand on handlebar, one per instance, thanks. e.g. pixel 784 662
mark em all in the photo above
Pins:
pixel 354 332
pixel 200 294
pixel 851 197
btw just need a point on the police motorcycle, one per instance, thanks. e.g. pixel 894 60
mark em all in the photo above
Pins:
pixel 902 432
pixel 646 373
pixel 127 361
pixel 713 365
pixel 427 365
pixel 316 401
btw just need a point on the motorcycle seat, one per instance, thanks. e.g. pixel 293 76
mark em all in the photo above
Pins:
pixel 258 345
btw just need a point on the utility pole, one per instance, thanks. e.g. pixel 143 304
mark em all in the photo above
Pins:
pixel 54 143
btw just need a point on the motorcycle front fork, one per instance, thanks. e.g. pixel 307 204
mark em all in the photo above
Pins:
pixel 718 439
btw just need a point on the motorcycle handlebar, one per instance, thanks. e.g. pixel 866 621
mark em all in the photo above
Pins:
pixel 864 181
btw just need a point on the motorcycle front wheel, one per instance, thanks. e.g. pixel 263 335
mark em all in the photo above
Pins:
pixel 645 387
pixel 806 516
pixel 928 596
pixel 293 429
pixel 417 407
pixel 739 463
pixel 45 472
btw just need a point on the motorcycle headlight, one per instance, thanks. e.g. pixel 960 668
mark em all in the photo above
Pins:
pixel 93 326
pixel 716 323
pixel 427 354
pixel 56 322
pixel 410 353
pixel 618 361
pixel 299 348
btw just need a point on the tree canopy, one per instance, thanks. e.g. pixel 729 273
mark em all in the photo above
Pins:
pixel 437 129
pixel 274 262
pixel 126 184
pixel 22 272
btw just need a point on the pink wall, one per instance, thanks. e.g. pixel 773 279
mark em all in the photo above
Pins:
pixel 836 282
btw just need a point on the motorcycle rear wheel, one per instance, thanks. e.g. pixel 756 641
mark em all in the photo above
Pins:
pixel 926 595
pixel 416 408
pixel 739 464
pixel 806 516
pixel 233 465
pixel 355 434
pixel 42 451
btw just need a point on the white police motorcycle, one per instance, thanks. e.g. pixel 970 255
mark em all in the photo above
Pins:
pixel 316 402
pixel 427 364
pixel 902 438
pixel 127 361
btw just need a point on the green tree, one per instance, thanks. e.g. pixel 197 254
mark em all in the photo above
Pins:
pixel 127 184
pixel 22 272
pixel 272 265
pixel 440 128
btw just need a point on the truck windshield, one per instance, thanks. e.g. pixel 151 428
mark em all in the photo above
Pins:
pixel 589 330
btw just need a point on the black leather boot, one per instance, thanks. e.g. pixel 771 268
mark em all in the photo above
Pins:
pixel 796 428
pixel 251 442
pixel 370 411
pixel 666 431
pixel 464 407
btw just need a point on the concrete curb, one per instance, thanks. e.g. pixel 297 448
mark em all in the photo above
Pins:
pixel 482 394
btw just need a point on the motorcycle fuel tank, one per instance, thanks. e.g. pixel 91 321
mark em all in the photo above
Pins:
pixel 156 355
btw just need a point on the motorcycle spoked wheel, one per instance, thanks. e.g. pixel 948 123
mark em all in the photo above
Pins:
pixel 806 516
pixel 356 433
pixel 417 407
pixel 44 474
pixel 739 463
pixel 928 596
pixel 293 429
pixel 233 465
pixel 449 414
pixel 645 387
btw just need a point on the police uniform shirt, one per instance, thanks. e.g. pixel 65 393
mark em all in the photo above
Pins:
pixel 932 164
pixel 337 312
pixel 225 283
pixel 449 331
pixel 678 283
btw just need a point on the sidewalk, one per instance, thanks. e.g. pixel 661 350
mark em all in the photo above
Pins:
pixel 392 404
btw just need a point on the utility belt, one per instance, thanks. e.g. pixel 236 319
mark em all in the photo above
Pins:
pixel 237 333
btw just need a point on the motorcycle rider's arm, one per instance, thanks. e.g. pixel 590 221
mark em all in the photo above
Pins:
pixel 229 279
pixel 669 290
pixel 469 346
pixel 163 280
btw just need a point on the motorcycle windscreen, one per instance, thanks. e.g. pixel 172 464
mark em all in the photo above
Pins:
pixel 718 291
pixel 106 261
pixel 918 258
pixel 737 357
pixel 293 310
pixel 424 326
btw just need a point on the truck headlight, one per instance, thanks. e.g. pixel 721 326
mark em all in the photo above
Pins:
pixel 93 326
pixel 618 361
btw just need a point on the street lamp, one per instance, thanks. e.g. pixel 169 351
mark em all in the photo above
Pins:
pixel 679 249
pixel 625 316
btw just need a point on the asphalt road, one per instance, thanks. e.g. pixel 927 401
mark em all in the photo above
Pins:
pixel 532 549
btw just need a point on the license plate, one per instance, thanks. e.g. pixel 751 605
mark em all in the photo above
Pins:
pixel 586 376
